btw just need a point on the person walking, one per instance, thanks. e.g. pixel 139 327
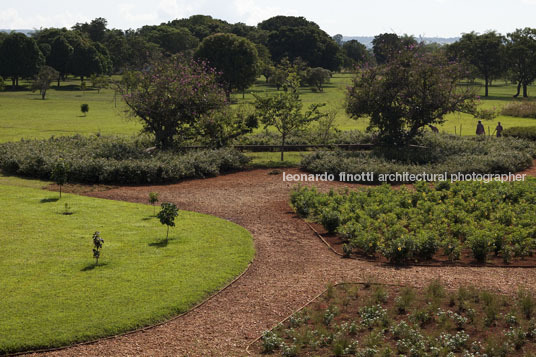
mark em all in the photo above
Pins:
pixel 480 128
pixel 499 129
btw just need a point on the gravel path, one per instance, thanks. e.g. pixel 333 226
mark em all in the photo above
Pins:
pixel 291 266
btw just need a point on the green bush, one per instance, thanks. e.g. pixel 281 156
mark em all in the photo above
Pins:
pixel 521 132
pixel 113 160
pixel 406 226
pixel 438 154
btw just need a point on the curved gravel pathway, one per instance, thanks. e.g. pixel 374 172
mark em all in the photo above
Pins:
pixel 292 265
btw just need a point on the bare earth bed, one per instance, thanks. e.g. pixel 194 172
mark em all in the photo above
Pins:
pixel 291 267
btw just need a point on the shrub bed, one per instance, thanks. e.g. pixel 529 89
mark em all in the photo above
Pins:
pixel 306 137
pixel 528 133
pixel 113 160
pixel 520 109
pixel 405 226
pixel 438 154
pixel 374 320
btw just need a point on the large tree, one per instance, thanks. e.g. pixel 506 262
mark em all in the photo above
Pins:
pixel 60 55
pixel 386 46
pixel 89 58
pixel 295 37
pixel 413 90
pixel 19 57
pixel 234 56
pixel 170 39
pixel 521 53
pixel 356 53
pixel 43 79
pixel 171 95
pixel 485 52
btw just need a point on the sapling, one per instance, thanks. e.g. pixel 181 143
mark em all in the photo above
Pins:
pixel 97 246
pixel 84 108
pixel 167 215
pixel 153 198
pixel 59 174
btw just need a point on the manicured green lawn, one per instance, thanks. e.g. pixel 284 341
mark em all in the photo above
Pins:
pixel 52 294
pixel 24 115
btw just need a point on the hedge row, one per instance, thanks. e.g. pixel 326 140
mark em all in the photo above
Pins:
pixel 439 154
pixel 113 160
pixel 528 133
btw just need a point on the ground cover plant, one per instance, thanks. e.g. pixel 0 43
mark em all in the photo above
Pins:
pixel 375 320
pixel 99 159
pixel 438 154
pixel 53 293
pixel 432 222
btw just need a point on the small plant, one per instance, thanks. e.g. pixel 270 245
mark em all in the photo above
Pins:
pixel 67 210
pixel 84 108
pixel 167 215
pixel 59 174
pixel 97 246
pixel 526 303
pixel 153 198
pixel 270 341
pixel 404 301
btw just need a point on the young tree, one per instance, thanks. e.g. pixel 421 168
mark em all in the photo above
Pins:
pixel 99 82
pixel 284 111
pixel 153 198
pixel 316 77
pixel 167 215
pixel 235 57
pixel 171 96
pixel 43 80
pixel 59 174
pixel 97 246
pixel 84 108
pixel 521 52
pixel 412 91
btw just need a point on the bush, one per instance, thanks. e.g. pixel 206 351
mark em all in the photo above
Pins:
pixel 520 109
pixel 113 160
pixel 406 226
pixel 438 154
pixel 521 132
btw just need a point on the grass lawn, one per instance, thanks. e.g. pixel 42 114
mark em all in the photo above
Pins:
pixel 24 115
pixel 273 159
pixel 52 294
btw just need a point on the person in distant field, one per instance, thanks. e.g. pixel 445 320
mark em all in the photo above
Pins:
pixel 499 129
pixel 434 129
pixel 480 128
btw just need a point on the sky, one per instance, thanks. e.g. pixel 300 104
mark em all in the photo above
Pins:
pixel 427 18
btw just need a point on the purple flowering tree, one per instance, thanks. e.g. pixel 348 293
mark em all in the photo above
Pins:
pixel 171 95
pixel 403 96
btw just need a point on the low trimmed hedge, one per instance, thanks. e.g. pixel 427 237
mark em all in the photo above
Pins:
pixel 113 160
pixel 438 154
pixel 522 132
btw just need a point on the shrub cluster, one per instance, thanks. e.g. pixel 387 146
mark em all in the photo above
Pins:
pixel 438 154
pixel 528 133
pixel 113 160
pixel 404 225
pixel 307 137
pixel 520 109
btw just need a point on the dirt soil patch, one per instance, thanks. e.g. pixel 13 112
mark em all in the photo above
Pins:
pixel 291 266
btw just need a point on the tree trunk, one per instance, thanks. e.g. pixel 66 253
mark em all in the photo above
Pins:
pixel 43 93
pixel 518 90
pixel 17 81
pixel 283 147
pixel 13 82
pixel 486 85
pixel 59 78
pixel 167 233
pixel 525 92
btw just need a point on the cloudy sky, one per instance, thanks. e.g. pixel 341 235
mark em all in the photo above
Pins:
pixel 445 18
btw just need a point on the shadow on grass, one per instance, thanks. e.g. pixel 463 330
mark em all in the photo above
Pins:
pixel 93 266
pixel 50 199
pixel 161 243
pixel 147 218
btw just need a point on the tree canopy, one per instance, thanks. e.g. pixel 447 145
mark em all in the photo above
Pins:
pixel 19 57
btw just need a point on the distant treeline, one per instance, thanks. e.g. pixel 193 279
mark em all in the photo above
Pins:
pixel 93 49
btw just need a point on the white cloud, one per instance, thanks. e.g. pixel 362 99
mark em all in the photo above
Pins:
pixel 11 19
pixel 132 18
pixel 252 14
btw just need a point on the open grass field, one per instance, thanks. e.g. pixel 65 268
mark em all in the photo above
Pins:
pixel 51 292
pixel 24 115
